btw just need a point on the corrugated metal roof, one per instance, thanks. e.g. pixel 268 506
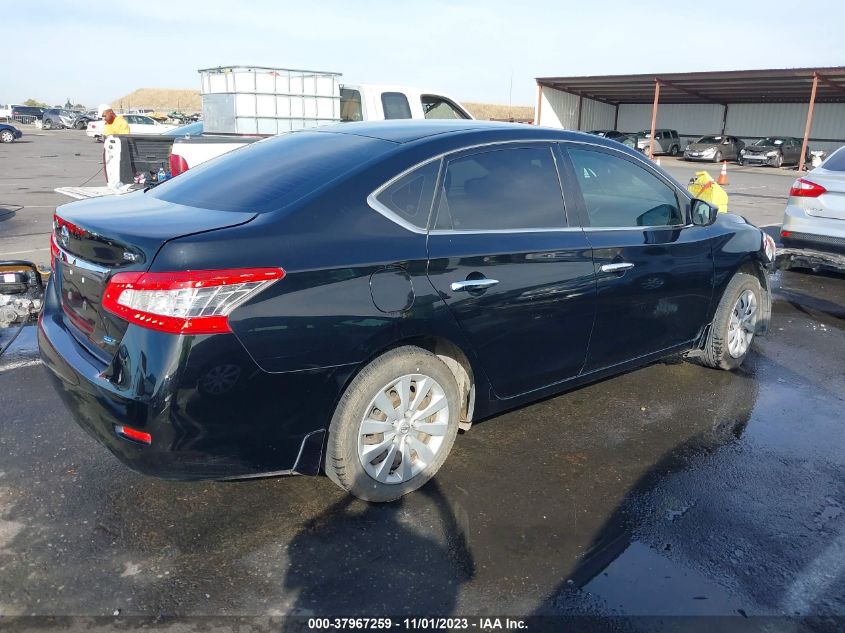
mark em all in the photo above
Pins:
pixel 785 85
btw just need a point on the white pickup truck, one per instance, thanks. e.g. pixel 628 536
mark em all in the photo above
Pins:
pixel 125 156
pixel 358 102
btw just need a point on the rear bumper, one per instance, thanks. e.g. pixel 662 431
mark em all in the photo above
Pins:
pixel 260 423
pixel 801 230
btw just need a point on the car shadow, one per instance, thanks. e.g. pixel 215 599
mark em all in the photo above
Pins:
pixel 386 564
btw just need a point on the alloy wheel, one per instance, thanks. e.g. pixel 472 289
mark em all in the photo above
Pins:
pixel 743 324
pixel 403 429
pixel 6 136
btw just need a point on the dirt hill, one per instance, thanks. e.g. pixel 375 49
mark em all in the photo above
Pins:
pixel 486 111
pixel 167 99
pixel 160 99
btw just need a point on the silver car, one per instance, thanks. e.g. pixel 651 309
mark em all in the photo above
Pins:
pixel 813 231
pixel 714 148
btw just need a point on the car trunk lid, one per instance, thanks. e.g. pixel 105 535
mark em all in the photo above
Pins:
pixel 830 204
pixel 96 238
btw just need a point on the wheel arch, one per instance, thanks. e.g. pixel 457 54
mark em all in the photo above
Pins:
pixel 756 269
pixel 452 356
pixel 749 267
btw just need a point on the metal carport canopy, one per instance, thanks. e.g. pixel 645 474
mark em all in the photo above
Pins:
pixel 734 86
pixel 778 85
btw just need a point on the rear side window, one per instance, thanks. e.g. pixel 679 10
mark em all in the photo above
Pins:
pixel 617 193
pixel 273 173
pixel 411 195
pixel 350 105
pixel 836 162
pixel 395 105
pixel 503 189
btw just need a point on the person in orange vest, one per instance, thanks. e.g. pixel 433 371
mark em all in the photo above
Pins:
pixel 114 123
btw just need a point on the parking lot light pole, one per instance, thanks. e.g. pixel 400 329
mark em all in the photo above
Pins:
pixel 809 121
pixel 653 118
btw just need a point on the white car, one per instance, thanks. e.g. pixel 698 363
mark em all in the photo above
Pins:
pixel 813 231
pixel 138 124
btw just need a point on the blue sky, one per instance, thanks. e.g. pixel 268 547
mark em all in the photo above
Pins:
pixel 94 52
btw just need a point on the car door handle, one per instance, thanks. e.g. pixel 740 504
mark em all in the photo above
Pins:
pixel 472 284
pixel 618 267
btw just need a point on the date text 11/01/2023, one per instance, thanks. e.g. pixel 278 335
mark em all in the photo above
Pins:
pixel 431 624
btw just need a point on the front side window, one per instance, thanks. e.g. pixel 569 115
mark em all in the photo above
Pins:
pixel 501 189
pixel 411 195
pixel 617 193
pixel 439 108
pixel 395 105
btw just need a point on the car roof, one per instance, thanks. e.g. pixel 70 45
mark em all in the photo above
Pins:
pixel 410 130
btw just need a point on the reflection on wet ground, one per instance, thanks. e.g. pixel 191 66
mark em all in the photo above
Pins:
pixel 671 490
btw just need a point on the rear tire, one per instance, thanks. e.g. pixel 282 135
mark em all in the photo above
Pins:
pixel 734 324
pixel 48 125
pixel 376 450
pixel 674 150
pixel 81 125
pixel 6 136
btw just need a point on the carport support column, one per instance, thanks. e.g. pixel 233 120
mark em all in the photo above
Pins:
pixel 809 124
pixel 539 102
pixel 654 118
pixel 580 109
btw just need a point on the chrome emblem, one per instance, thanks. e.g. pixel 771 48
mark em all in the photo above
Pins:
pixel 64 236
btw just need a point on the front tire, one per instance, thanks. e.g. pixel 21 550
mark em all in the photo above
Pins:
pixel 718 157
pixel 47 125
pixel 734 324
pixel 394 425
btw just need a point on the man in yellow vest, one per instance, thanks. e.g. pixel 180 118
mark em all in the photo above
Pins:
pixel 114 123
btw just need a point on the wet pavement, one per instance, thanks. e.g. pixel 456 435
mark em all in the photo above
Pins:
pixel 671 490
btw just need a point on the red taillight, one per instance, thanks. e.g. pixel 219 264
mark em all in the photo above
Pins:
pixel 786 233
pixel 133 434
pixel 59 223
pixel 186 302
pixel 177 164
pixel 803 188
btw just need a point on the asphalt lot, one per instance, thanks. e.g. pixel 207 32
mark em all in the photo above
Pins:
pixel 671 490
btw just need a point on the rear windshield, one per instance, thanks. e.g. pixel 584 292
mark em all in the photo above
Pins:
pixel 270 174
pixel 836 162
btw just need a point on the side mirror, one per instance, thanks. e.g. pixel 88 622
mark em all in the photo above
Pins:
pixel 703 213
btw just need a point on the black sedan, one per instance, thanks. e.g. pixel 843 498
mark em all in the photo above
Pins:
pixel 345 299
pixel 9 133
